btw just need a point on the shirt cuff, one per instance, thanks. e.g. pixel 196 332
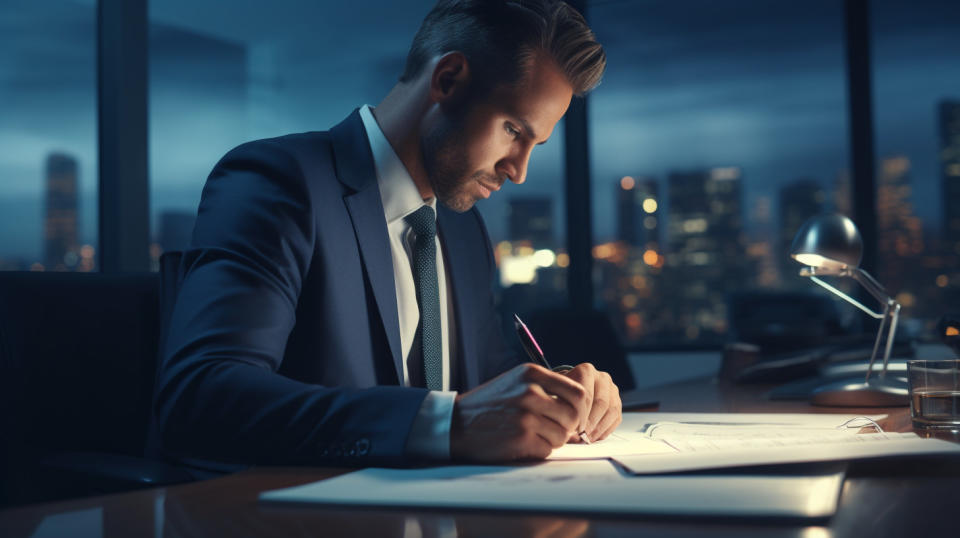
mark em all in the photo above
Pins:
pixel 430 433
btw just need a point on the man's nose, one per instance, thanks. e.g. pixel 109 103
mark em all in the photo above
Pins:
pixel 517 166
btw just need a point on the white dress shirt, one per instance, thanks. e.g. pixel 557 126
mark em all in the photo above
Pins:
pixel 430 433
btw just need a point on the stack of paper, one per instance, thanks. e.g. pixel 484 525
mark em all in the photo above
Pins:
pixel 670 433
pixel 692 442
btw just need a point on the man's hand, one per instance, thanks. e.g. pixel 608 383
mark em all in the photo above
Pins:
pixel 606 409
pixel 523 413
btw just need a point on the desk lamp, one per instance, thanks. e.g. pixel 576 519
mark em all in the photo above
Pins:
pixel 830 245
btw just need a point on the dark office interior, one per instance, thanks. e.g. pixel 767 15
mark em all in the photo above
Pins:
pixel 652 237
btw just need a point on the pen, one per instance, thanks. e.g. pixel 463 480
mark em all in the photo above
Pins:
pixel 535 354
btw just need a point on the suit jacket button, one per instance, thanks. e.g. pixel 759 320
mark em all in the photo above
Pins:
pixel 363 446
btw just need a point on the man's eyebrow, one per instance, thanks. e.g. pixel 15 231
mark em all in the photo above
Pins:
pixel 530 133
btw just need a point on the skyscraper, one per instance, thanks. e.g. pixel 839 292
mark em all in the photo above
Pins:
pixel 799 200
pixel 950 166
pixel 638 212
pixel 706 219
pixel 706 250
pixel 60 221
pixel 899 229
pixel 629 269
pixel 531 219
pixel 842 193
pixel 762 249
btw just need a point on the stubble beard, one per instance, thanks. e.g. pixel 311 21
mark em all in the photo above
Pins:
pixel 445 162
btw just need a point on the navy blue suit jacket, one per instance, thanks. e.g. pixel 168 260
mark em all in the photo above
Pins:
pixel 283 346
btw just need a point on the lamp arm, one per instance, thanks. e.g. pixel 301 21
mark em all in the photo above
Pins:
pixel 851 300
pixel 876 344
pixel 890 314
pixel 871 285
pixel 894 317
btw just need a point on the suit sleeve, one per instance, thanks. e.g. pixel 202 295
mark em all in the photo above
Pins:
pixel 219 394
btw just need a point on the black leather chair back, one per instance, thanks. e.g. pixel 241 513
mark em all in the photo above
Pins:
pixel 169 286
pixel 170 275
pixel 83 351
pixel 570 336
pixel 77 365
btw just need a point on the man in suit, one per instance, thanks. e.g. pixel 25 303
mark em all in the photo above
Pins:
pixel 335 303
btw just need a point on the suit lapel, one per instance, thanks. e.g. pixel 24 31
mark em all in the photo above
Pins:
pixel 355 169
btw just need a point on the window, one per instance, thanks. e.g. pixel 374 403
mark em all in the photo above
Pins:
pixel 218 79
pixel 716 132
pixel 917 122
pixel 48 136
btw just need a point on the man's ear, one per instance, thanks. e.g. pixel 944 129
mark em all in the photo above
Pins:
pixel 450 78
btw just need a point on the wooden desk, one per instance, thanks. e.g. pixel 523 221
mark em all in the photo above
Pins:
pixel 917 500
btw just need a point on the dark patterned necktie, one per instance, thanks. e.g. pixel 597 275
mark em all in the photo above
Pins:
pixel 424 224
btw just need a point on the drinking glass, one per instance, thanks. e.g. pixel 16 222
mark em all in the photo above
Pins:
pixel 935 397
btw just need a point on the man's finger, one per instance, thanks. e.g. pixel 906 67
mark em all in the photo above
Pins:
pixel 551 432
pixel 606 399
pixel 565 389
pixel 607 424
pixel 538 435
pixel 585 374
pixel 535 400
pixel 614 422
pixel 602 396
pixel 614 414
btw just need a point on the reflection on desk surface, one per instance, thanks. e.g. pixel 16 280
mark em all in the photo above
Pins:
pixel 915 499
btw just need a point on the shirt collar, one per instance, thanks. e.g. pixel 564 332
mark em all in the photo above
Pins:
pixel 398 192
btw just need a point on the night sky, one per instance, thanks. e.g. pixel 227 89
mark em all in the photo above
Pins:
pixel 690 84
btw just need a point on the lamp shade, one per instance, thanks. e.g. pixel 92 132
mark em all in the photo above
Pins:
pixel 828 242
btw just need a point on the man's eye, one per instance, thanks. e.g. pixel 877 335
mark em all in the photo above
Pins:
pixel 511 131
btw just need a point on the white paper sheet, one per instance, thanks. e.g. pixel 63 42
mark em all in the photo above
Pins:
pixel 620 443
pixel 751 453
pixel 635 421
pixel 574 486
pixel 741 430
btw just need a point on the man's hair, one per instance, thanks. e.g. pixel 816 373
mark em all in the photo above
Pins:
pixel 500 38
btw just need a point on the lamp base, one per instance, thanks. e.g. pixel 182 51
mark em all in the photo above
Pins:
pixel 889 392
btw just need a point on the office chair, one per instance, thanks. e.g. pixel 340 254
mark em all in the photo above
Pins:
pixel 78 357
